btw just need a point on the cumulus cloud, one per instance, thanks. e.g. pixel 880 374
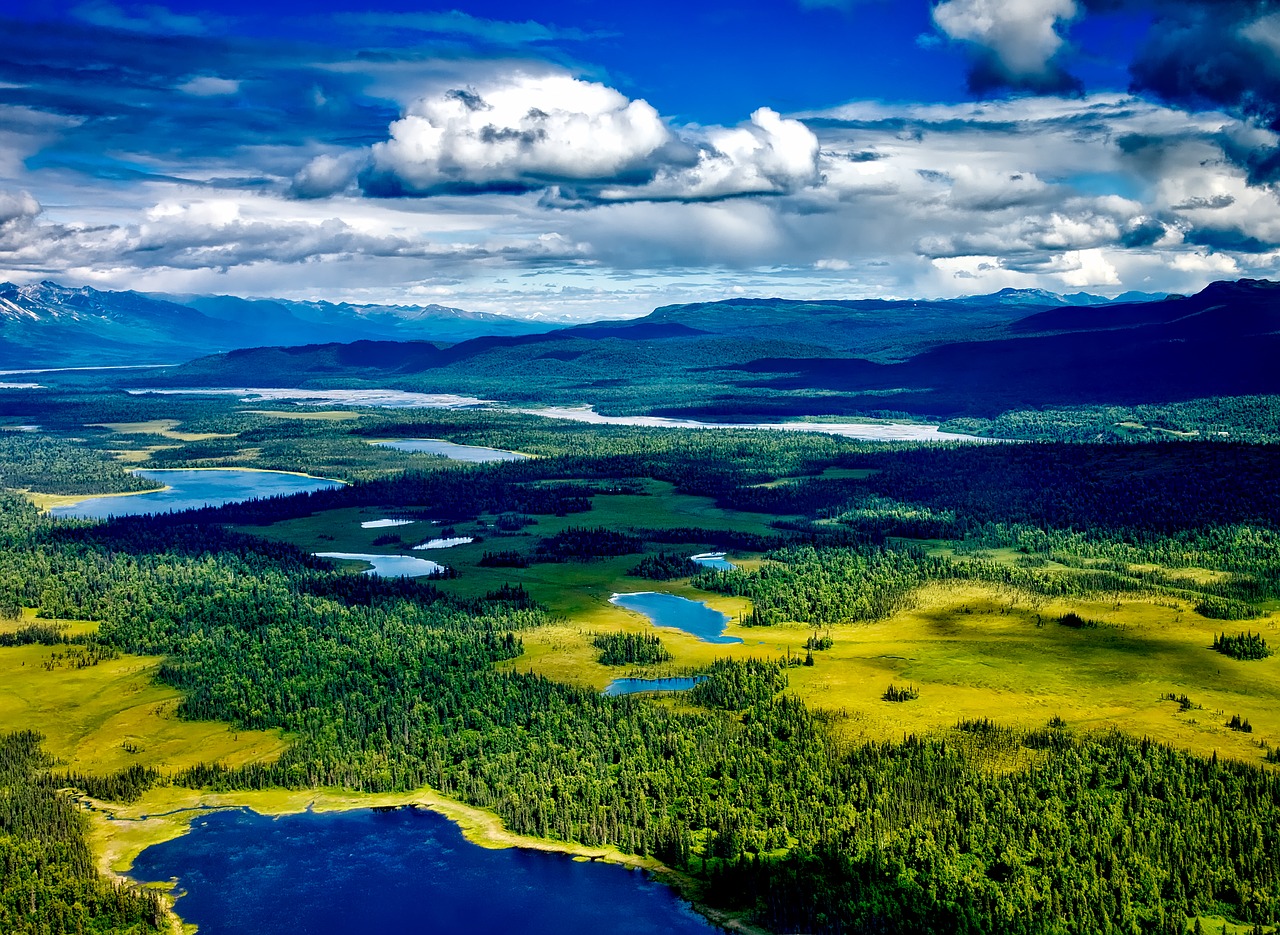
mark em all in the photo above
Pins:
pixel 519 133
pixel 327 174
pixel 1196 54
pixel 1222 54
pixel 1015 41
pixel 17 206
pixel 579 142
pixel 768 155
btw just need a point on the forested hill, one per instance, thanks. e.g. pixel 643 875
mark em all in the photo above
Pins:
pixel 1220 342
pixel 969 357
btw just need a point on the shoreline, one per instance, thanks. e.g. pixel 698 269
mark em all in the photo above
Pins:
pixel 45 502
pixel 255 470
pixel 117 841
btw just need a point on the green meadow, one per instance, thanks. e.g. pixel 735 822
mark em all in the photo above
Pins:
pixel 973 650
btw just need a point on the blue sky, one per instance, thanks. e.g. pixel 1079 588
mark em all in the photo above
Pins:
pixel 582 159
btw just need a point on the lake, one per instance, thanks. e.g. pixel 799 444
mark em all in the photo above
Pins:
pixel 407 870
pixel 638 686
pixel 713 560
pixel 437 446
pixel 388 566
pixel 188 489
pixel 668 610
pixel 385 523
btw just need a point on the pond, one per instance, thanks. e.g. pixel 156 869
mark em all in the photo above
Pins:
pixel 668 610
pixel 713 560
pixel 638 686
pixel 444 543
pixel 437 446
pixel 186 489
pixel 385 523
pixel 403 870
pixel 388 566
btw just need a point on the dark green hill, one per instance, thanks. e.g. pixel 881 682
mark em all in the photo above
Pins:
pixel 773 357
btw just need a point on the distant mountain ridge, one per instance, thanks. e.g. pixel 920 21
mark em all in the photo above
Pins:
pixel 50 325
pixel 47 324
pixel 755 357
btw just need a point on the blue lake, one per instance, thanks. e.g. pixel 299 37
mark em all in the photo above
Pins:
pixel 668 610
pixel 437 446
pixel 713 560
pixel 637 686
pixel 388 566
pixel 406 870
pixel 188 489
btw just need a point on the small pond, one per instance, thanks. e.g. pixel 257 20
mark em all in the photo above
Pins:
pixel 638 686
pixel 444 543
pixel 388 566
pixel 436 446
pixel 668 610
pixel 713 560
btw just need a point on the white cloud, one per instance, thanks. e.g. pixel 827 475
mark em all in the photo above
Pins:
pixel 1215 264
pixel 525 130
pixel 1086 268
pixel 769 155
pixel 17 206
pixel 580 142
pixel 209 86
pixel 327 174
pixel 1022 35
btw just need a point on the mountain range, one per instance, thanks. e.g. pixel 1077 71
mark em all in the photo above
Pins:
pixel 771 357
pixel 48 325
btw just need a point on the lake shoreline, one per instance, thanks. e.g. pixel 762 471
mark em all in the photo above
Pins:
pixel 45 502
pixel 119 833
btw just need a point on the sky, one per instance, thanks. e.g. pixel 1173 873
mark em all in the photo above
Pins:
pixel 585 159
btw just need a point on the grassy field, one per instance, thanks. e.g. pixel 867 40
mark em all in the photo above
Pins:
pixel 104 717
pixel 569 589
pixel 974 651
pixel 165 428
